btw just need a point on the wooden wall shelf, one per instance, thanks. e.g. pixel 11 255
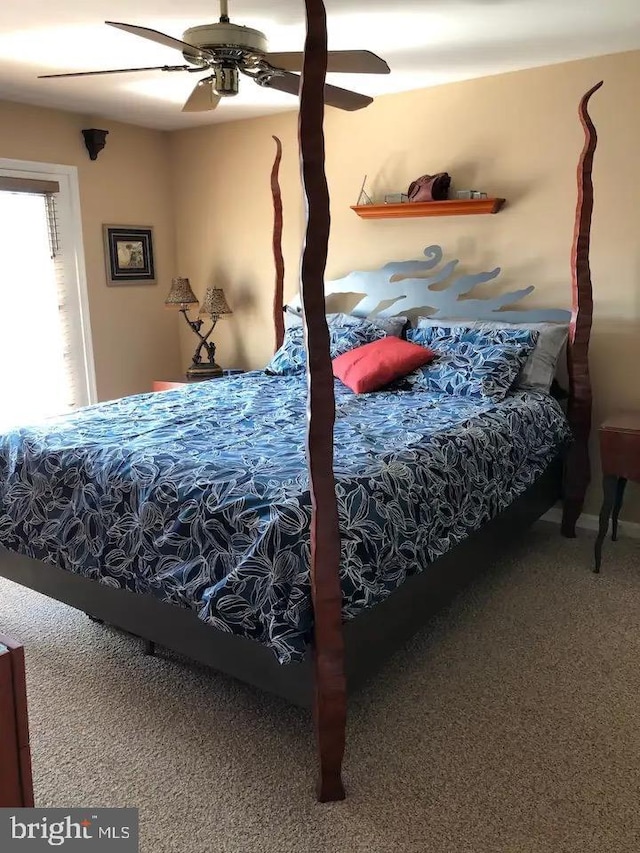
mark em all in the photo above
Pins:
pixel 452 207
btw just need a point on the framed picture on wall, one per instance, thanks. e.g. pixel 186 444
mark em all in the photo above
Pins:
pixel 129 255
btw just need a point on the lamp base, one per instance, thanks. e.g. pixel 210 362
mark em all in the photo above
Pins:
pixel 205 370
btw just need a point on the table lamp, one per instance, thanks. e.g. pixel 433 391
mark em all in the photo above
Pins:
pixel 214 304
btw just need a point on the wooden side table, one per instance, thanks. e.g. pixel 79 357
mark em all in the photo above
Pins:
pixel 620 457
pixel 170 384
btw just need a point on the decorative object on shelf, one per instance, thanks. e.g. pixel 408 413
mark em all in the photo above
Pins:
pixel 94 140
pixel 396 198
pixel 430 187
pixel 278 259
pixel 450 207
pixel 214 305
pixel 129 255
pixel 364 198
pixel 577 471
pixel 462 194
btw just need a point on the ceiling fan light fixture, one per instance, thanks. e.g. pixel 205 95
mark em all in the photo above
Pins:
pixel 226 80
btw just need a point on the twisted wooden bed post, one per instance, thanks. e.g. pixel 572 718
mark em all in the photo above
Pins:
pixel 330 704
pixel 577 473
pixel 278 294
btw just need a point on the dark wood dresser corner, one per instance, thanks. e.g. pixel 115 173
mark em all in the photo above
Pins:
pixel 16 786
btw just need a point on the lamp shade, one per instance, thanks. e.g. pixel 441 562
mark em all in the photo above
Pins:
pixel 214 303
pixel 180 294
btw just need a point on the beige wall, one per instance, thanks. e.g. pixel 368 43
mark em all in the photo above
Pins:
pixel 514 135
pixel 135 339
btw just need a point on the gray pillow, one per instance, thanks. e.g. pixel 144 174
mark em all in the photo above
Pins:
pixel 540 368
pixel 391 325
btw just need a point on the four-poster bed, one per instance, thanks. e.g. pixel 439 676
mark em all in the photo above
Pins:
pixel 338 655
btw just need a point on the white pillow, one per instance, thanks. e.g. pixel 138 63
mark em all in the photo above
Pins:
pixel 391 325
pixel 540 368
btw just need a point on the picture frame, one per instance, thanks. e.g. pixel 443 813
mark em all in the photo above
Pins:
pixel 129 255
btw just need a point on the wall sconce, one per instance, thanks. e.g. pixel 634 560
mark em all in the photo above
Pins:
pixel 95 140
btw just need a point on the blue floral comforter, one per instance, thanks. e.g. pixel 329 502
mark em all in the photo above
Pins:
pixel 199 496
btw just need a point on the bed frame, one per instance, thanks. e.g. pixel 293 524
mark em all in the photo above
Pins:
pixel 369 639
pixel 345 655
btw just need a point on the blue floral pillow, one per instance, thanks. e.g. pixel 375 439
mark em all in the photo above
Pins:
pixel 292 357
pixel 470 362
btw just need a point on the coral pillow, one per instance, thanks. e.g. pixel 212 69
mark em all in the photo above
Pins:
pixel 372 366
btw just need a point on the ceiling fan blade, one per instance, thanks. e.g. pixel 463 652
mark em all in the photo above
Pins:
pixel 341 61
pixel 202 98
pixel 117 71
pixel 161 38
pixel 334 96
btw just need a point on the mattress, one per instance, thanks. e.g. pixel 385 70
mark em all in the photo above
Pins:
pixel 200 496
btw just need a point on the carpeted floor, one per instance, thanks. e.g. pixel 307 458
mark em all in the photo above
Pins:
pixel 511 724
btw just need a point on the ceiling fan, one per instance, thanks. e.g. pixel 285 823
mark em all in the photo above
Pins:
pixel 227 50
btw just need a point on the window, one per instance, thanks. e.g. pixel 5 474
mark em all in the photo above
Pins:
pixel 46 363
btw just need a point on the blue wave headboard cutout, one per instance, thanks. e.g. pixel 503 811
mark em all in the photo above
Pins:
pixel 416 293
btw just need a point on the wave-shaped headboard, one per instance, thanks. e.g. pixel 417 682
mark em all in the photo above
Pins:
pixel 402 287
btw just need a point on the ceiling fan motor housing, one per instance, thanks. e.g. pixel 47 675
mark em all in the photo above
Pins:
pixel 222 37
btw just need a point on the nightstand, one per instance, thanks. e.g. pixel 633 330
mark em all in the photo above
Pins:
pixel 170 384
pixel 620 457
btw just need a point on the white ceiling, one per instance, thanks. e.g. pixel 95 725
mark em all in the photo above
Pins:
pixel 425 42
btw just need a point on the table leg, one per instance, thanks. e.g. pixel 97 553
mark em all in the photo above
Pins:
pixel 609 488
pixel 617 506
